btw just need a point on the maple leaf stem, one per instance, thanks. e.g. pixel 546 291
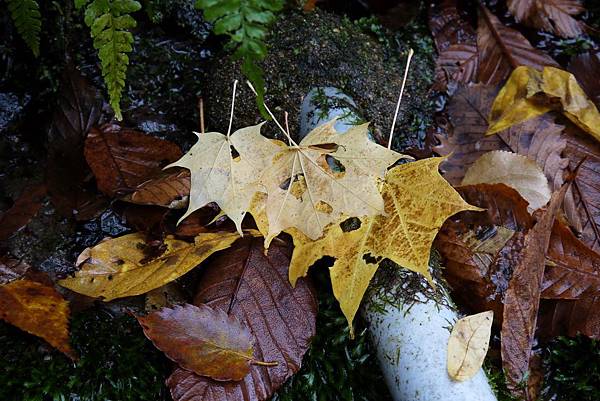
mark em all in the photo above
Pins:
pixel 232 108
pixel 201 110
pixel 287 135
pixel 410 55
pixel 261 363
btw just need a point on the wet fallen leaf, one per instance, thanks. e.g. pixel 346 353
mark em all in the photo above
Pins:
pixel 468 345
pixel 121 159
pixel 327 176
pixel 554 16
pixel 253 287
pixel 522 298
pixel 170 294
pixel 203 340
pixel 171 189
pixel 516 171
pixel 226 169
pixel 585 68
pixel 417 202
pixel 25 208
pixel 569 318
pixel 11 269
pixel 502 49
pixel 529 93
pixel 37 309
pixel 79 108
pixel 119 267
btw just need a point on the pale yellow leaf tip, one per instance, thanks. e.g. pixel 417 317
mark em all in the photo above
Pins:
pixel 468 344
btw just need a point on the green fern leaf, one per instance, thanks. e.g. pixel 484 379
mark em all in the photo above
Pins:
pixel 246 23
pixel 28 21
pixel 109 23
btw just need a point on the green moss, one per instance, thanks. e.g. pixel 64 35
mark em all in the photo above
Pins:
pixel 117 363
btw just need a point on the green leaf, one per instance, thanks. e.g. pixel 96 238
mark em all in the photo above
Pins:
pixel 28 21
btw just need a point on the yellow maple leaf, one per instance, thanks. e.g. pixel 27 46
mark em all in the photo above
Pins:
pixel 326 176
pixel 116 268
pixel 219 176
pixel 417 202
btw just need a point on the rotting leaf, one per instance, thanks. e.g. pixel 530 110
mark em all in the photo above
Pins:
pixel 417 202
pixel 119 267
pixel 501 49
pixel 121 159
pixel 253 287
pixel 37 309
pixel 468 345
pixel 348 191
pixel 203 340
pixel 514 170
pixel 216 176
pixel 25 208
pixel 522 298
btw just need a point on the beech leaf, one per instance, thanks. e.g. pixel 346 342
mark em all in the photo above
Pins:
pixel 201 339
pixel 468 344
pixel 554 16
pixel 514 170
pixel 118 267
pixel 37 309
pixel 252 286
pixel 417 202
pixel 171 189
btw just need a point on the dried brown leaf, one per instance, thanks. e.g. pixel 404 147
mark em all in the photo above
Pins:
pixel 169 189
pixel 585 67
pixel 25 208
pixel 554 16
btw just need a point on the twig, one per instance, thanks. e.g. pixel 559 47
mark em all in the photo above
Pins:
pixel 232 107
pixel 410 54
pixel 287 127
pixel 201 109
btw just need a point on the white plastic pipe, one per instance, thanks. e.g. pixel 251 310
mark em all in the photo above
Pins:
pixel 411 338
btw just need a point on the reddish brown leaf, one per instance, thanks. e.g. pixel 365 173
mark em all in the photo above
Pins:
pixel 38 309
pixel 448 27
pixel 24 209
pixel 169 189
pixel 501 49
pixel 554 16
pixel 585 67
pixel 458 63
pixel 79 107
pixel 254 287
pixel 201 339
pixel 569 317
pixel 586 186
pixel 11 269
pixel 522 298
pixel 121 159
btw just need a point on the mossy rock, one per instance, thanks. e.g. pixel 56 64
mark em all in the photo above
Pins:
pixel 318 49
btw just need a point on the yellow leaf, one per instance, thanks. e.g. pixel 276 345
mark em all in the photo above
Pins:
pixel 417 202
pixel 529 93
pixel 218 176
pixel 576 105
pixel 326 176
pixel 468 344
pixel 116 268
pixel 37 309
pixel 514 104
pixel 516 171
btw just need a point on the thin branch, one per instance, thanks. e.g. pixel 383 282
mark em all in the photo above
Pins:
pixel 287 126
pixel 232 107
pixel 201 108
pixel 410 54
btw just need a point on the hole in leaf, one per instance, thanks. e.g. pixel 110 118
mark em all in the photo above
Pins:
pixel 234 152
pixel 350 224
pixel 335 165
pixel 370 259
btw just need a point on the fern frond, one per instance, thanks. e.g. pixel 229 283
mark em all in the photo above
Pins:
pixel 28 21
pixel 246 22
pixel 109 23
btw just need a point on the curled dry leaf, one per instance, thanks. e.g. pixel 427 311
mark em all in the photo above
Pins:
pixel 501 49
pixel 326 177
pixel 468 344
pixel 121 159
pixel 516 171
pixel 201 339
pixel 522 298
pixel 253 287
pixel 529 93
pixel 219 175
pixel 37 309
pixel 417 202
pixel 25 208
pixel 554 16
pixel 120 267
pixel 170 189
pixel 79 108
